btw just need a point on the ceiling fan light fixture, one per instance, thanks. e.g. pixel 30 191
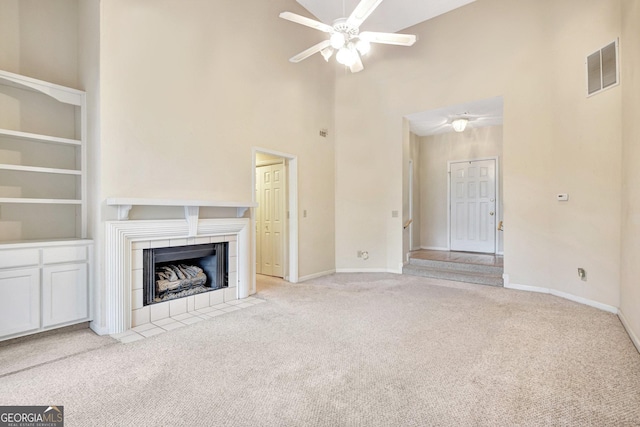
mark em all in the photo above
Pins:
pixel 459 125
pixel 346 56
pixel 344 36
pixel 326 53
pixel 363 46
pixel 337 40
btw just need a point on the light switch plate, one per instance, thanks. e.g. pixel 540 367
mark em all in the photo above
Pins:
pixel 562 197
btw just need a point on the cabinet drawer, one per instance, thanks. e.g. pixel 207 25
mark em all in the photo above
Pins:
pixel 64 254
pixel 19 258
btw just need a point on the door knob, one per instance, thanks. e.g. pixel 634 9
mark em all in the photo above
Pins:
pixel 491 213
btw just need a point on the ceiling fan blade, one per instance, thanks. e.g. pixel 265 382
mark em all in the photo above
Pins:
pixel 362 12
pixel 357 66
pixel 388 38
pixel 313 49
pixel 299 19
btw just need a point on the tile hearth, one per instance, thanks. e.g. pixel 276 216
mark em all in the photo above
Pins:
pixel 170 323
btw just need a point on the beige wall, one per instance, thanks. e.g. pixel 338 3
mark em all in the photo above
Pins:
pixel 435 153
pixel 196 88
pixel 630 287
pixel 555 139
pixel 188 90
pixel 39 39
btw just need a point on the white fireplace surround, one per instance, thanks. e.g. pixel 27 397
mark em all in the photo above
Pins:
pixel 121 234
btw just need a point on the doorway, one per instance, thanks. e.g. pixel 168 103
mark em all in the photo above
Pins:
pixel 431 146
pixel 472 205
pixel 275 242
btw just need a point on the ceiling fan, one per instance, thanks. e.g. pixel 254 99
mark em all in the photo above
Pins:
pixel 459 122
pixel 346 38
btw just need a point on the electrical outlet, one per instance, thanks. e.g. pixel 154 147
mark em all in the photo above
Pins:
pixel 582 274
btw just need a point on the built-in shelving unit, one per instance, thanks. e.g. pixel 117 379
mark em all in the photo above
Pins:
pixel 45 256
pixel 42 160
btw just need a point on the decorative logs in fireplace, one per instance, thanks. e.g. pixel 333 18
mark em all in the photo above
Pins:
pixel 180 271
pixel 173 278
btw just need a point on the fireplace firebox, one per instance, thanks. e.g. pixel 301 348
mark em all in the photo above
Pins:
pixel 179 271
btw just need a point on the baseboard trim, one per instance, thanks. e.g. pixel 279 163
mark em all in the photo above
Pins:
pixel 315 275
pixel 567 296
pixel 625 323
pixel 98 329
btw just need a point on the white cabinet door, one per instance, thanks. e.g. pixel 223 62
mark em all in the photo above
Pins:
pixel 64 294
pixel 19 301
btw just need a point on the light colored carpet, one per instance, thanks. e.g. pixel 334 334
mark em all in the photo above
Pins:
pixel 357 350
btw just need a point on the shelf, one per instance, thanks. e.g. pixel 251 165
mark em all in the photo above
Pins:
pixel 39 169
pixel 115 201
pixel 38 138
pixel 191 207
pixel 17 200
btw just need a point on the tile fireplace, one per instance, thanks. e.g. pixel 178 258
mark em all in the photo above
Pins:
pixel 126 240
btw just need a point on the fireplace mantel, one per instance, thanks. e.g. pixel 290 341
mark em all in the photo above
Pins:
pixel 191 207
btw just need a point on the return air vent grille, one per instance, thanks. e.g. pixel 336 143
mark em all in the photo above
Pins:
pixel 602 68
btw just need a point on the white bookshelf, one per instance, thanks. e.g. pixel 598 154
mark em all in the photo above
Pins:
pixel 45 256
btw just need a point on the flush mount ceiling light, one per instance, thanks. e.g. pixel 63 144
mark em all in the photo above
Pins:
pixel 459 125
pixel 346 38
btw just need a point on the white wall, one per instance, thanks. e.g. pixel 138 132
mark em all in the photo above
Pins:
pixel 630 284
pixel 555 139
pixel 435 153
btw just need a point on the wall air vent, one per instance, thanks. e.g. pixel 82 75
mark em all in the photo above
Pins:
pixel 602 69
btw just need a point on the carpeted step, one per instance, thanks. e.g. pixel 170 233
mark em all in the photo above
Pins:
pixel 491 279
pixel 457 266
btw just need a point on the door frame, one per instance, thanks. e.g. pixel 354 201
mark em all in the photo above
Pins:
pixel 497 193
pixel 411 184
pixel 291 166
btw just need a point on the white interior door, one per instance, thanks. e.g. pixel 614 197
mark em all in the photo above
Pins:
pixel 473 206
pixel 270 219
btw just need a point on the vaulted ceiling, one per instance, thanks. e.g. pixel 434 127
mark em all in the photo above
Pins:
pixel 397 15
pixel 390 16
